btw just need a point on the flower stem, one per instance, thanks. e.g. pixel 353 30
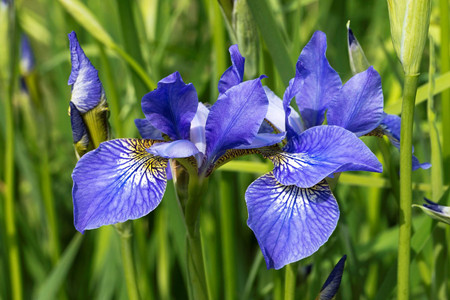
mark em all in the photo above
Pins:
pixel 404 243
pixel 127 260
pixel 289 283
pixel 195 265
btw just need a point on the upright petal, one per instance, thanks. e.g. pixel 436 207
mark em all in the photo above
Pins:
pixel 277 116
pixel 321 83
pixel 198 127
pixel 359 104
pixel 391 128
pixel 234 74
pixel 116 182
pixel 87 90
pixel 319 152
pixel 290 223
pixel 147 130
pixel 171 107
pixel 235 118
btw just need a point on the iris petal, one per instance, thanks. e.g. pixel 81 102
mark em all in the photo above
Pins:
pixel 171 107
pixel 116 182
pixel 319 152
pixel 391 127
pixel 234 74
pixel 264 140
pixel 235 118
pixel 147 130
pixel 277 116
pixel 321 83
pixel 87 90
pixel 290 223
pixel 175 149
pixel 359 104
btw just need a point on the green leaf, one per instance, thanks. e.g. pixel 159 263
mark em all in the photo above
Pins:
pixel 269 30
pixel 51 286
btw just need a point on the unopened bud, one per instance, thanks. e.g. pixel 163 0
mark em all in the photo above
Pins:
pixel 409 21
pixel 357 58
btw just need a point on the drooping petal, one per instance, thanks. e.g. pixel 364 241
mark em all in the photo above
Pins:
pixel 391 125
pixel 175 149
pixel 87 90
pixel 264 140
pixel 321 83
pixel 277 116
pixel 171 107
pixel 359 104
pixel 116 182
pixel 331 285
pixel 319 152
pixel 147 130
pixel 235 118
pixel 290 223
pixel 234 74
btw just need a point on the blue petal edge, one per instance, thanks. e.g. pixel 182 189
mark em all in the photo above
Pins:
pixel 290 223
pixel 331 285
pixel 116 182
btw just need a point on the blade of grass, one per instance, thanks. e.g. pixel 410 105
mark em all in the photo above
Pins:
pixel 444 64
pixel 87 19
pixel 439 284
pixel 49 289
pixel 272 37
pixel 442 83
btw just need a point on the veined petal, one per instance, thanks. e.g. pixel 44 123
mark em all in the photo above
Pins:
pixel 277 116
pixel 290 223
pixel 234 74
pixel 87 90
pixel 319 152
pixel 321 83
pixel 359 104
pixel 175 149
pixel 171 107
pixel 235 118
pixel 264 140
pixel 116 182
pixel 331 285
pixel 391 128
pixel 147 130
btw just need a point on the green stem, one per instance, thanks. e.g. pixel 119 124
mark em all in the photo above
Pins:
pixel 195 265
pixel 404 243
pixel 444 64
pixel 127 260
pixel 289 282
pixel 227 234
pixel 10 223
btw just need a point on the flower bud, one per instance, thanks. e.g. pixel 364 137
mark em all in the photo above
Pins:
pixel 88 99
pixel 357 58
pixel 409 21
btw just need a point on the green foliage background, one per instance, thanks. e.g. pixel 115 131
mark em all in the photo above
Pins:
pixel 133 44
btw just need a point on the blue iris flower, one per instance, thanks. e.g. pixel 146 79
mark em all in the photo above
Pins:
pixel 291 209
pixel 364 114
pixel 125 179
